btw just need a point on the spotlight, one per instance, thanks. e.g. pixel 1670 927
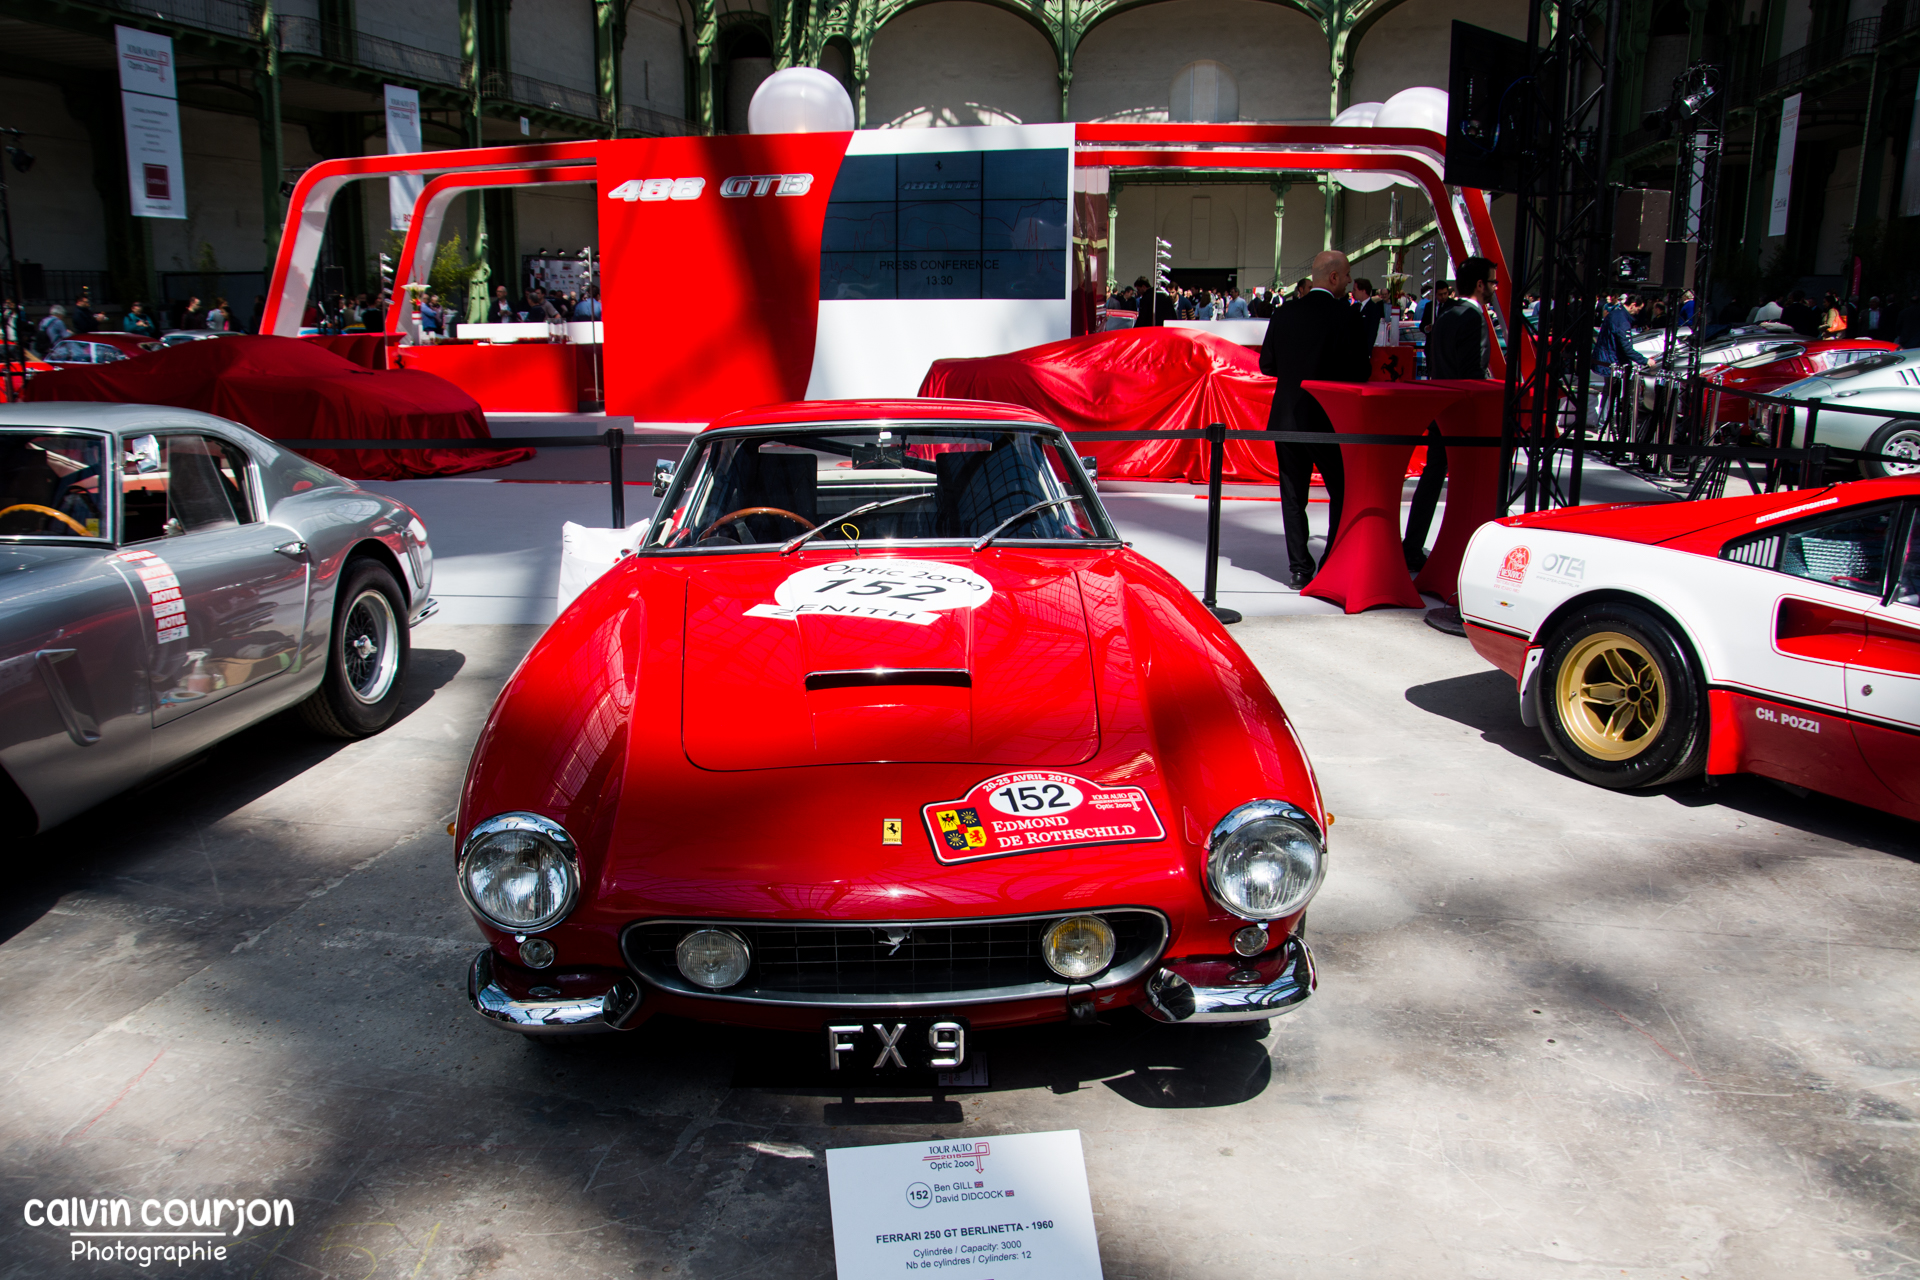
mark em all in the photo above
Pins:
pixel 21 157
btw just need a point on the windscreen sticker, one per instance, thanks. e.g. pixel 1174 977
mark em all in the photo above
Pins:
pixel 163 594
pixel 1038 809
pixel 912 591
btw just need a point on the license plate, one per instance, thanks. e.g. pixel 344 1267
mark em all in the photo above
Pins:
pixel 895 1044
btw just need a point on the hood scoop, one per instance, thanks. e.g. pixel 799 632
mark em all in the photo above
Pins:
pixel 1008 680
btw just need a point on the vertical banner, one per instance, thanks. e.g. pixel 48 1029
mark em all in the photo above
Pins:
pixel 1910 183
pixel 403 136
pixel 156 180
pixel 1783 166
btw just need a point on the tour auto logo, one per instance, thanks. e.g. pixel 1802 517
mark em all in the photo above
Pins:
pixel 650 190
pixel 1037 809
pixel 176 1231
pixel 1514 568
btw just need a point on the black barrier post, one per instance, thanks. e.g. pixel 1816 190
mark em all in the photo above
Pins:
pixel 1216 473
pixel 1810 475
pixel 616 468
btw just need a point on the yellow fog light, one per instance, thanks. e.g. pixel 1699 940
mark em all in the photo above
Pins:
pixel 1078 947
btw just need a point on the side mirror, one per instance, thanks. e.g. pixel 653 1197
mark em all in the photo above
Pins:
pixel 1091 465
pixel 662 475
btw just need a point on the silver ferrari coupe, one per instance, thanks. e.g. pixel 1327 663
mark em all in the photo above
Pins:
pixel 168 578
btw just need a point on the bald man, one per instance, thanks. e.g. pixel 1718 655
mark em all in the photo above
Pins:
pixel 1318 337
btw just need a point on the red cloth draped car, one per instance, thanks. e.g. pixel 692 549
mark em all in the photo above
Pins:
pixel 290 389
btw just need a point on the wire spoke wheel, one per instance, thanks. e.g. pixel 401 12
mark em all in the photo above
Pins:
pixel 368 655
pixel 1612 697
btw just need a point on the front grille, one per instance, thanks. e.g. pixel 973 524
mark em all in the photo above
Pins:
pixel 859 963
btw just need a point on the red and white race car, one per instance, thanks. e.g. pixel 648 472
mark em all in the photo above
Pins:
pixel 1777 634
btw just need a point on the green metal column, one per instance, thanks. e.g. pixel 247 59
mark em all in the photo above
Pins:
pixel 609 22
pixel 1329 210
pixel 273 158
pixel 1113 236
pixel 1280 190
pixel 706 45
pixel 480 283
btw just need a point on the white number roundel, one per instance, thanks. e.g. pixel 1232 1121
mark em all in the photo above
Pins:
pixel 919 585
pixel 1031 799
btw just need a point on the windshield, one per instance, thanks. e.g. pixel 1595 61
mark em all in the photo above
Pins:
pixel 50 485
pixel 940 481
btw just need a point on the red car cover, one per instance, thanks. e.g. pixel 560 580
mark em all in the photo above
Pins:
pixel 1132 380
pixel 288 389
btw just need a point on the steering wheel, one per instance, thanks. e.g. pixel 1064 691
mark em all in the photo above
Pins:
pixel 73 524
pixel 744 512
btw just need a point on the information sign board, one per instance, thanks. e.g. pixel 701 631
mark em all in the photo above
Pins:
pixel 1013 1207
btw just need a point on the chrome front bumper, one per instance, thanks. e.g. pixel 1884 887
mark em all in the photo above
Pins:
pixel 612 1011
pixel 1172 998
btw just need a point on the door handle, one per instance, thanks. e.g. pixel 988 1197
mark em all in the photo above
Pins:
pixel 292 550
pixel 80 726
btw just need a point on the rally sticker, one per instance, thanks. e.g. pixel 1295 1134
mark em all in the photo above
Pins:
pixel 912 591
pixel 1038 809
pixel 163 594
pixel 1514 568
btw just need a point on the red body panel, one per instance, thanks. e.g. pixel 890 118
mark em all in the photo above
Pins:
pixel 1816 358
pixel 1506 650
pixel 1091 656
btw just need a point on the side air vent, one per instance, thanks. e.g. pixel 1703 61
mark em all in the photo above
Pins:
pixel 1762 553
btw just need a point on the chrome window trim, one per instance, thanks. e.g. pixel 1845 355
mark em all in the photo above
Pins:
pixel 109 510
pixel 1113 977
pixel 1052 432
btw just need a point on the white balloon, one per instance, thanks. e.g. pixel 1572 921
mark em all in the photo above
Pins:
pixel 1360 116
pixel 800 100
pixel 1421 107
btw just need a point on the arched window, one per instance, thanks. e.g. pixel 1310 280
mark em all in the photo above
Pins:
pixel 747 59
pixel 1205 92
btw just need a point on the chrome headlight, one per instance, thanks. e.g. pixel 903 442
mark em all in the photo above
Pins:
pixel 520 871
pixel 1078 947
pixel 1265 860
pixel 712 958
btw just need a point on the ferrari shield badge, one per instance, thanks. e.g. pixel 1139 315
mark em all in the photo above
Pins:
pixel 1038 809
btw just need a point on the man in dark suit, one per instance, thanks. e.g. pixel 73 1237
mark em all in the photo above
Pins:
pixel 1458 346
pixel 1316 337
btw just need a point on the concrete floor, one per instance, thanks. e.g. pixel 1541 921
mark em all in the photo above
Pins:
pixel 1559 1032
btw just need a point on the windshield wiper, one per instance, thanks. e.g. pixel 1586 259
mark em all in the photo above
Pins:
pixel 795 544
pixel 986 539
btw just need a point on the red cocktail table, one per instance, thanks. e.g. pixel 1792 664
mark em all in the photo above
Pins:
pixel 1365 567
pixel 1473 482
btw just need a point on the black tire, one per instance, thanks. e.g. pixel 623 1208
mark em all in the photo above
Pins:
pixel 1619 656
pixel 367 655
pixel 1901 436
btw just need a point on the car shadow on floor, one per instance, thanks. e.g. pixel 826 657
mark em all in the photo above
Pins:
pixel 123 835
pixel 1486 702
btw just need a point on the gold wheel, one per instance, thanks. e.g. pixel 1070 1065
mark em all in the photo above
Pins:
pixel 1611 696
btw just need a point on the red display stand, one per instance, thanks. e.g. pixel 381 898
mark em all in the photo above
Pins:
pixel 1473 483
pixel 521 377
pixel 1365 567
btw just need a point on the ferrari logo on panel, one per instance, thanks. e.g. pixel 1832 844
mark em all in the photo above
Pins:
pixel 889 831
